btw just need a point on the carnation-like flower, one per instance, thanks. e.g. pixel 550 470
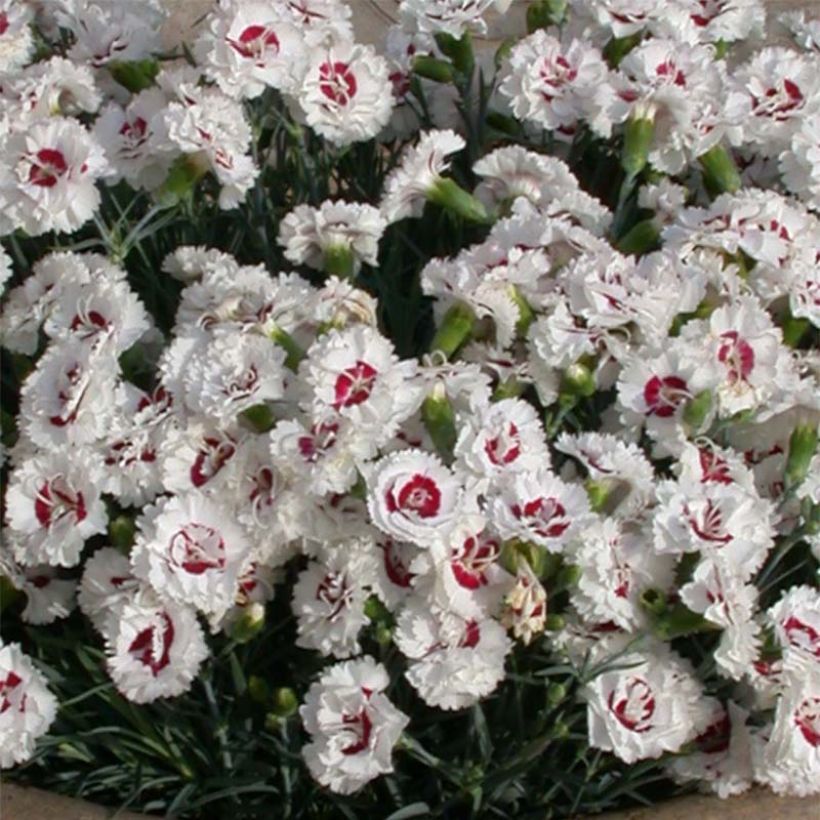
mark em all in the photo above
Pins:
pixel 191 552
pixel 336 234
pixel 800 162
pixel 53 505
pixel 248 46
pixel 537 506
pixel 16 36
pixel 454 662
pixel 107 585
pixel 412 496
pixel 48 176
pixel 355 373
pixel 453 17
pixel 525 607
pixel 421 167
pixel 346 95
pixel 27 707
pixel 796 621
pixel 328 601
pixel 155 649
pixel 555 84
pixel 640 712
pixel 353 726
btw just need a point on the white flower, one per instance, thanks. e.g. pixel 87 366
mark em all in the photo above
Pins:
pixel 155 649
pixel 453 17
pixel 537 506
pixel 800 162
pixel 198 457
pixel 412 496
pixel 48 176
pixel 48 597
pixel 501 438
pixel 394 574
pixel 420 168
pixel 554 84
pixel 354 373
pixel 16 36
pixel 339 303
pixel 320 22
pixel 796 621
pixel 346 95
pixel 621 18
pixel 789 763
pixel 311 235
pixel 353 726
pixel 130 139
pixel 53 506
pixel 6 270
pixel 654 706
pixel 722 763
pixel 191 552
pixel 248 46
pixel 617 565
pixel 27 707
pixel 107 585
pixel 454 662
pixel 328 601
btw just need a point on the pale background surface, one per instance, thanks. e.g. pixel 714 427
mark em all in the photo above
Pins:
pixel 369 19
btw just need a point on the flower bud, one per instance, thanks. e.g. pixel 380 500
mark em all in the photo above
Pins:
pixel 554 623
pixel 135 75
pixel 556 692
pixel 638 135
pixel 448 194
pixel 258 689
pixel 720 174
pixel 525 607
pixel 439 71
pixel 802 446
pixel 284 702
pixel 121 531
pixel 578 381
pixel 545 13
pixel 439 419
pixel 249 624
pixel 455 329
pixel 460 51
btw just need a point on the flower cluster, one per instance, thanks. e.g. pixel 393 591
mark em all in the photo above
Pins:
pixel 608 445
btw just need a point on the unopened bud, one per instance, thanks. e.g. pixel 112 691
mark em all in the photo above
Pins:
pixel 448 194
pixel 802 446
pixel 439 71
pixel 249 624
pixel 556 692
pixel 455 329
pixel 459 50
pixel 121 532
pixel 440 421
pixel 578 381
pixel 720 174
pixel 554 623
pixel 638 135
pixel 258 689
pixel 545 13
pixel 284 701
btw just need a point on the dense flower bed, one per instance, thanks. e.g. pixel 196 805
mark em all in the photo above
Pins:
pixel 414 431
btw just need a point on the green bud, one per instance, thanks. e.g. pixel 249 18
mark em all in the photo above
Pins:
pixel 374 609
pixel 289 345
pixel 260 417
pixel 553 623
pixel 258 689
pixel 640 238
pixel 567 577
pixel 556 692
pixel 545 13
pixel 135 75
pixel 653 601
pixel 697 410
pixel 605 494
pixel 802 446
pixel 720 174
pixel 121 532
pixel 448 194
pixel 618 47
pixel 503 123
pixel 440 71
pixel 284 702
pixel 578 381
pixel 273 723
pixel 383 635
pixel 514 552
pixel 8 593
pixel 455 329
pixel 185 173
pixel 440 421
pixel 249 624
pixel 338 260
pixel 525 312
pixel 638 135
pixel 459 51
pixel 560 731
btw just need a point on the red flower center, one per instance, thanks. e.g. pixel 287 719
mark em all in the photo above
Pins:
pixel 334 591
pixel 713 468
pixel 505 447
pixel 56 500
pixel 254 41
pixel 360 728
pixel 635 706
pixel 9 693
pixel 738 356
pixel 354 385
pixel 471 561
pixel 707 523
pixel 152 647
pixel 49 166
pixel 394 566
pixel 663 395
pixel 807 720
pixel 546 516
pixel 337 82
pixel 802 636
pixel 420 495
pixel 321 438
pixel 472 635
pixel 197 548
pixel 213 454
